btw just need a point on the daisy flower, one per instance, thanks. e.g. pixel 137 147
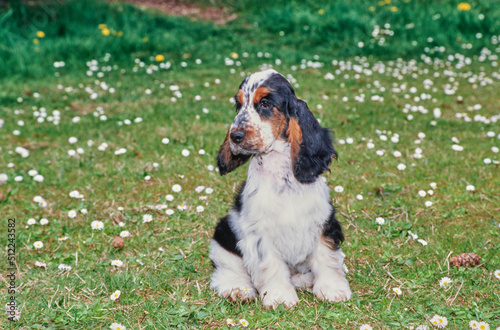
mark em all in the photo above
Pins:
pixel 365 327
pixel 483 326
pixel 209 191
pixel 200 209
pixel 470 188
pixel 125 233
pixel 169 198
pixel 176 188
pixel 44 221
pixel 380 221
pixel 421 241
pixel 38 178
pixel 428 203
pixel 338 189
pixel 439 321
pixel 359 197
pixel 117 263
pixel 40 264
pixel 397 291
pixel 230 322
pixel 185 152
pixel 31 221
pixel 115 295
pixel 117 326
pixel 473 324
pixel 497 273
pixel 64 267
pixel 401 167
pixel 169 212
pixel 97 225
pixel 422 193
pixel 422 327
pixel 244 323
pixel 38 245
pixel 445 282
pixel 72 214
pixel 433 185
pixel 147 218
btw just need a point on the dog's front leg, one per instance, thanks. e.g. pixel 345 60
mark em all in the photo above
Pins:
pixel 330 283
pixel 270 274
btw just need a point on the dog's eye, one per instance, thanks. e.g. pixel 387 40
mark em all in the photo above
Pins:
pixel 265 105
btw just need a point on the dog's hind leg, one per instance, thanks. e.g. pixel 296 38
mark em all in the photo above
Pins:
pixel 230 278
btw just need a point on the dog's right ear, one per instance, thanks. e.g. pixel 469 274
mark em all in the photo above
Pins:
pixel 226 160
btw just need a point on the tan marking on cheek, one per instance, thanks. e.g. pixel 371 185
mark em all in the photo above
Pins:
pixel 294 133
pixel 260 93
pixel 277 122
pixel 225 150
pixel 240 96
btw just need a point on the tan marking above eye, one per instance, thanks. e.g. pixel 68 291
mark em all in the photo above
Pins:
pixel 260 93
pixel 240 96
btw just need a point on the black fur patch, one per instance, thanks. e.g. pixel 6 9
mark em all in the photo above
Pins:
pixel 238 201
pixel 225 236
pixel 236 161
pixel 332 230
pixel 316 150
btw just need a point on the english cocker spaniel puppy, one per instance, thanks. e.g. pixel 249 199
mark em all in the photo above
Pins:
pixel 281 232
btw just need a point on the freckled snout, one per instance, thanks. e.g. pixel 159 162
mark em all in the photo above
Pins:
pixel 237 136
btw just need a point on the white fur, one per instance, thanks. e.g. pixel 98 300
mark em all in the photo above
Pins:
pixel 279 231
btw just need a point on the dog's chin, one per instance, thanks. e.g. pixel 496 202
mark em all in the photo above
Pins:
pixel 237 150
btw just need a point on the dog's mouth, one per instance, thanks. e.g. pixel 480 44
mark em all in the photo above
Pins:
pixel 238 149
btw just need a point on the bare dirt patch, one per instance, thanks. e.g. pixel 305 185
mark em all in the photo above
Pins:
pixel 219 15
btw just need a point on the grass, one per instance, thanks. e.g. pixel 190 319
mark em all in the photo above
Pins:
pixel 170 288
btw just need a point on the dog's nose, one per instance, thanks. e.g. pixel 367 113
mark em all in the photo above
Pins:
pixel 237 136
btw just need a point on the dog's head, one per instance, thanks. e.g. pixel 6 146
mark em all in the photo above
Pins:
pixel 268 110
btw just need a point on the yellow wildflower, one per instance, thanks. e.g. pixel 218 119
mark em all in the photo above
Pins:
pixel 102 26
pixel 321 11
pixel 371 8
pixel 463 6
pixel 36 41
pixel 387 1
pixel 105 32
pixel 234 55
pixel 394 9
pixel 120 33
pixel 159 58
pixel 40 34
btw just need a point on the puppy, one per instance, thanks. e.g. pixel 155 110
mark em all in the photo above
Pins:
pixel 281 233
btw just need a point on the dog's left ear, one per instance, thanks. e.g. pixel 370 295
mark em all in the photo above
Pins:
pixel 226 160
pixel 311 145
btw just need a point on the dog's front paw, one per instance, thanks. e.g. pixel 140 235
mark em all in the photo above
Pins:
pixel 243 294
pixel 333 292
pixel 274 297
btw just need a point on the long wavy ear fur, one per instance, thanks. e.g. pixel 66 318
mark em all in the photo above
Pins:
pixel 311 145
pixel 227 161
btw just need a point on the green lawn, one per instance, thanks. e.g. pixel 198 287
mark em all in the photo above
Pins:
pixel 374 105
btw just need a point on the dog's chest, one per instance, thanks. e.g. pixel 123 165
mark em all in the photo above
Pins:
pixel 286 213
